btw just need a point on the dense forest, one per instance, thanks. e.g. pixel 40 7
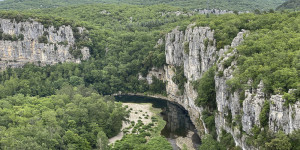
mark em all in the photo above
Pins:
pixel 63 107
pixel 238 5
pixel 74 118
pixel 290 5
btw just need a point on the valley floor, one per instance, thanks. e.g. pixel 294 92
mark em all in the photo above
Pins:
pixel 144 112
pixel 138 112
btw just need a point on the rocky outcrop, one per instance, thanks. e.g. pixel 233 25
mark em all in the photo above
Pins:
pixel 283 117
pixel 213 11
pixel 202 12
pixel 154 72
pixel 238 111
pixel 32 42
pixel 228 102
pixel 195 49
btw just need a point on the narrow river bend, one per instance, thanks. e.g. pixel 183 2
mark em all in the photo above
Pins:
pixel 178 123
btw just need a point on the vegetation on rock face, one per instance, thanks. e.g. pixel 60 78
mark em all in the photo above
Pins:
pixel 293 97
pixel 206 90
pixel 207 99
pixel 43 39
pixel 266 139
pixel 209 119
pixel 186 48
pixel 209 143
pixel 179 78
pixel 270 54
pixel 264 115
pixel 122 43
pixel 226 142
pixel 157 86
pixel 130 43
pixel 280 142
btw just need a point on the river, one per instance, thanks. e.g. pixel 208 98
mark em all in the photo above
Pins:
pixel 179 127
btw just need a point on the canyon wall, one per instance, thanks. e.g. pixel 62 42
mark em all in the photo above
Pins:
pixel 32 42
pixel 195 50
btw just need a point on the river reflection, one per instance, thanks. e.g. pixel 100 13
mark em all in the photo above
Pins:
pixel 178 122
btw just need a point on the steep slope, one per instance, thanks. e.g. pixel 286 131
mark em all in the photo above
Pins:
pixel 32 42
pixel 243 112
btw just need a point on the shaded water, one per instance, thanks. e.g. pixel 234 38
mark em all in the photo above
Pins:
pixel 176 117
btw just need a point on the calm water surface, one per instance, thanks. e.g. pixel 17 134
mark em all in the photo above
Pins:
pixel 177 118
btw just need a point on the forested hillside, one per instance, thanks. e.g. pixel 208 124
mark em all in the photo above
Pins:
pixel 290 5
pixel 62 107
pixel 239 5
pixel 75 118
pixel 122 47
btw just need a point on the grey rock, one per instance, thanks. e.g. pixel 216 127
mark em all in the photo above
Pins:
pixel 283 117
pixel 252 107
pixel 17 53
pixel 191 50
pixel 213 11
pixel 199 56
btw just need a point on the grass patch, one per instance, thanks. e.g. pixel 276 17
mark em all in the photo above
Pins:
pixel 160 122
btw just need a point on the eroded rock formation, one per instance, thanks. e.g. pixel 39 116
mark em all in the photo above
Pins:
pixel 195 50
pixel 32 42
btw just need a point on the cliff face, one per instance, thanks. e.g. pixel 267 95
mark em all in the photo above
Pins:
pixel 286 118
pixel 21 43
pixel 245 115
pixel 195 50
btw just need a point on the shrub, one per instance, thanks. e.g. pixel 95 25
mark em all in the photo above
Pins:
pixel 55 47
pixel 209 120
pixel 157 86
pixel 264 114
pixel 65 43
pixel 186 48
pixel 182 28
pixel 227 62
pixel 22 28
pixel 43 39
pixel 227 140
pixel 206 41
pixel 206 90
pixel 179 78
pixel 21 37
pixel 6 37
pixel 293 97
pixel 220 74
pixel 46 33
pixel 75 52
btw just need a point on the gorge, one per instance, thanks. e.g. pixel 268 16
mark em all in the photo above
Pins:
pixel 195 50
pixel 229 80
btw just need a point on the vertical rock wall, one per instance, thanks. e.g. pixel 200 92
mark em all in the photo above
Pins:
pixel 19 51
pixel 195 50
pixel 283 117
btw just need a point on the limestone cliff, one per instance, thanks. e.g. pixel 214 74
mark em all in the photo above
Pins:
pixel 286 118
pixel 245 113
pixel 195 50
pixel 32 42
